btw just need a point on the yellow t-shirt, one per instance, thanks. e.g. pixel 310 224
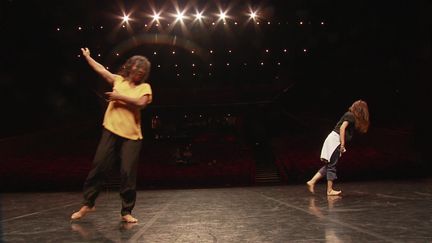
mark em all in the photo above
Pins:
pixel 125 120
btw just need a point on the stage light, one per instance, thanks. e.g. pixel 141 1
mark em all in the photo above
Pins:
pixel 322 22
pixel 58 29
pixel 126 18
pixel 301 22
pixel 211 51
pixel 154 53
pixel 179 16
pixel 198 16
pixel 222 16
pixel 156 16
pixel 252 15
pixel 79 28
pixel 101 27
pixel 173 52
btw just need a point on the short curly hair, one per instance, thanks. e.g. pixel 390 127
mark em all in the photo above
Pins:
pixel 141 62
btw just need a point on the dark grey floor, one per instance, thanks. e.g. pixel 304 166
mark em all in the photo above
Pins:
pixel 387 211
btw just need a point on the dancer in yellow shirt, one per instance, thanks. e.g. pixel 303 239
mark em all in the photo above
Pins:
pixel 121 137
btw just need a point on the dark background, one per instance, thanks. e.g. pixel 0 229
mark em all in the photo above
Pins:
pixel 379 51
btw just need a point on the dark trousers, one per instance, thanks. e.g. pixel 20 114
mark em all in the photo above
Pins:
pixel 329 170
pixel 112 148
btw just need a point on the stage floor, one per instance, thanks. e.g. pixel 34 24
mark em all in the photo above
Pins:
pixel 371 211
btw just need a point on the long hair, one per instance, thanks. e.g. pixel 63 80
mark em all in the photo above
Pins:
pixel 140 61
pixel 361 113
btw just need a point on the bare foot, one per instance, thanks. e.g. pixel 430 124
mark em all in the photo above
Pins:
pixel 311 186
pixel 129 219
pixel 333 193
pixel 82 212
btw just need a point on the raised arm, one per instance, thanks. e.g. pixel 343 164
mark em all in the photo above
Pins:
pixel 101 70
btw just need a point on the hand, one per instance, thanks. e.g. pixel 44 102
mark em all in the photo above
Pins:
pixel 112 96
pixel 342 150
pixel 85 51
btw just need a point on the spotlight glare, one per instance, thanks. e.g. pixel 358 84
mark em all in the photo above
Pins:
pixel 199 15
pixel 222 15
pixel 126 18
pixel 156 16
pixel 253 15
pixel 179 16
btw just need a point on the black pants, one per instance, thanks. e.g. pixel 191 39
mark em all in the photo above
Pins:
pixel 111 148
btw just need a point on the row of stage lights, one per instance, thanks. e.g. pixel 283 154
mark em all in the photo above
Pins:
pixel 196 72
pixel 229 51
pixel 227 65
pixel 125 24
pixel 199 17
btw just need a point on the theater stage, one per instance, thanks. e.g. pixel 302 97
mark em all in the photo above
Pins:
pixel 368 211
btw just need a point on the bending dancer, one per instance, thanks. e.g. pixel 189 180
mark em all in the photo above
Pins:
pixel 121 136
pixel 356 118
